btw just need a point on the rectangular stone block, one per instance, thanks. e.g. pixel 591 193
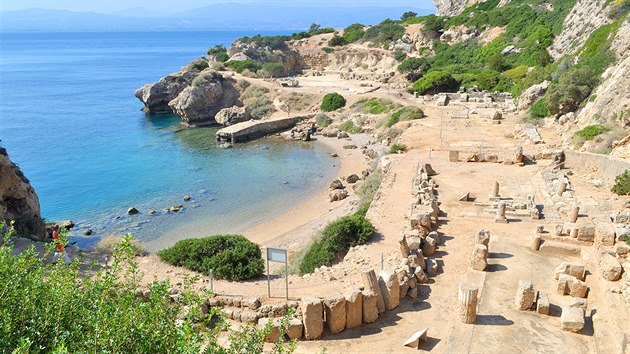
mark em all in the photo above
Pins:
pixel 572 319
pixel 453 156
pixel 586 233
pixel 542 304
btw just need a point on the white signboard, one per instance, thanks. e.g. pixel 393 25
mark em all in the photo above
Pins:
pixel 277 255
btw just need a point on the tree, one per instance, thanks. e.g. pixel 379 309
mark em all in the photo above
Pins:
pixel 572 88
pixel 314 28
pixel 434 82
pixel 407 15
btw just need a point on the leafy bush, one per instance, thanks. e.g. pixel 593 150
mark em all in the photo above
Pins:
pixel 349 127
pixel 384 33
pixel 260 107
pixel 407 113
pixel 219 53
pixel 571 89
pixel 591 131
pixel 353 33
pixel 197 64
pixel 434 82
pixel 619 8
pixel 240 65
pixel 328 50
pixel 337 41
pixel 539 109
pixel 274 69
pixel 413 64
pixel 375 105
pixel 322 120
pixel 432 25
pixel 397 148
pixel 408 15
pixel 332 102
pixel 337 238
pixel 622 186
pixel 206 76
pixel 370 186
pixel 252 91
pixel 229 256
pixel 399 55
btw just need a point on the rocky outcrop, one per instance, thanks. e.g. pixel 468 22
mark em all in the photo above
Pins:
pixel 532 94
pixel 156 96
pixel 290 59
pixel 459 34
pixel 453 7
pixel 586 16
pixel 232 115
pixel 18 201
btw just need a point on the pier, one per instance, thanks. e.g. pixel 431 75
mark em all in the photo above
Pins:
pixel 253 129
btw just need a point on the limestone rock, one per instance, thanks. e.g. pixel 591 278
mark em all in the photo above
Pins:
pixel 572 319
pixel 232 115
pixel 421 276
pixel 428 246
pixel 336 184
pixel 575 269
pixel 542 303
pixel 432 267
pixel 370 308
pixel 295 329
pixel 156 96
pixel 371 284
pixel 337 195
pixel 274 325
pixel 610 268
pixel 354 309
pixel 525 295
pixel 335 307
pixel 252 303
pixel 132 211
pixel 435 236
pixel 390 288
pixel 532 94
pixel 353 178
pixel 483 237
pixel 479 260
pixel 312 317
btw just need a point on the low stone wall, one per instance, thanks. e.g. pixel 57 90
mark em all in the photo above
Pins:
pixel 608 168
pixel 253 129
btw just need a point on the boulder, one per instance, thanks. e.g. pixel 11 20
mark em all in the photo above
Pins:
pixel 428 246
pixel 132 211
pixel 312 317
pixel 232 115
pixel 421 276
pixel 329 132
pixel 253 303
pixel 156 96
pixel 335 307
pixel 295 329
pixel 353 178
pixel 435 236
pixel 274 325
pixel 336 184
pixel 432 267
pixel 525 296
pixel 337 195
pixel 572 319
pixel 390 288
pixel 250 317
pixel 532 94
pixel 370 309
pixel 354 309
pixel 610 268
pixel 479 260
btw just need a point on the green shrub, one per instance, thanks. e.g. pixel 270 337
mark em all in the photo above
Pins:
pixel 391 133
pixel 337 238
pixel 337 41
pixel 618 9
pixel 219 53
pixel 240 65
pixel 399 55
pixel 517 73
pixel 206 76
pixel 413 64
pixel 539 109
pixel 384 33
pixel 622 186
pixel 397 148
pixel 332 102
pixel 274 69
pixel 571 89
pixel 370 186
pixel 434 82
pixel 353 33
pixel 328 50
pixel 197 64
pixel 408 15
pixel 407 113
pixel 322 120
pixel 349 127
pixel 229 256
pixel 375 105
pixel 260 107
pixel 591 131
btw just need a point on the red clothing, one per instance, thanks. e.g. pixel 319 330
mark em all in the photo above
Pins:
pixel 55 236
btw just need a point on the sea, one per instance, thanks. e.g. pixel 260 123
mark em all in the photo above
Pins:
pixel 69 119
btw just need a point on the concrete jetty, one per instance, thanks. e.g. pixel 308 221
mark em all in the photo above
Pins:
pixel 253 129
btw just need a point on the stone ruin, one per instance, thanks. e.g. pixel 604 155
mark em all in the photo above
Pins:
pixel 502 102
pixel 502 207
pixel 479 259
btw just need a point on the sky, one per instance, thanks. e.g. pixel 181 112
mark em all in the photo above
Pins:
pixel 169 6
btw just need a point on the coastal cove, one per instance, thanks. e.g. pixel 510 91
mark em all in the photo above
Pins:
pixel 91 153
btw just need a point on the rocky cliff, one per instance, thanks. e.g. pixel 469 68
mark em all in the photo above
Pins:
pixel 18 201
pixel 453 7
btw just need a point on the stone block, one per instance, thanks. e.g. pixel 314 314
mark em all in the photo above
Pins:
pixel 390 288
pixel 479 260
pixel 483 237
pixel 572 319
pixel 525 295
pixel 605 234
pixel 414 243
pixel 335 307
pixel 370 309
pixel 542 303
pixel 428 246
pixel 248 316
pixel 610 268
pixel 274 325
pixel 575 269
pixel 422 263
pixel 421 276
pixel 579 302
pixel 432 267
pixel 435 236
pixel 578 288
pixel 417 339
pixel 312 317
pixel 453 156
pixel 586 233
pixel 295 328
pixel 413 293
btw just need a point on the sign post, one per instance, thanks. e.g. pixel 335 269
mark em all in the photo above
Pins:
pixel 277 255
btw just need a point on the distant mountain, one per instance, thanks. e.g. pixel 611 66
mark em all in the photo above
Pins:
pixel 215 17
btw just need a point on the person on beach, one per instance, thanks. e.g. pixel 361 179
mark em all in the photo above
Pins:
pixel 313 129
pixel 60 250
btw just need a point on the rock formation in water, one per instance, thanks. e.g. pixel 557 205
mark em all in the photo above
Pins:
pixel 18 201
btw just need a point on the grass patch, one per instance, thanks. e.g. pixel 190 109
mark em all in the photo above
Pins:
pixel 370 185
pixel 349 127
pixel 539 109
pixel 591 131
pixel 397 148
pixel 375 105
pixel 322 120
pixel 407 113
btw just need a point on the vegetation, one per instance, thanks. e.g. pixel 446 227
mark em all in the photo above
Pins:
pixel 328 50
pixel 399 55
pixel 434 82
pixel 322 120
pixel 384 33
pixel 349 127
pixel 375 105
pixel 337 41
pixel 353 33
pixel 337 237
pixel 219 53
pixel 197 64
pixel 229 256
pixel 622 186
pixel 407 113
pixel 332 102
pixel 206 76
pixel 591 131
pixel 370 186
pixel 539 109
pixel 397 148
pixel 256 101
pixel 273 70
pixel 240 65
pixel 413 64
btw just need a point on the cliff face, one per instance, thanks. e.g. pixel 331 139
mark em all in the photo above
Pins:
pixel 453 7
pixel 18 201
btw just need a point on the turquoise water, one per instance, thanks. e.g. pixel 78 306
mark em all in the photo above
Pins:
pixel 68 117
